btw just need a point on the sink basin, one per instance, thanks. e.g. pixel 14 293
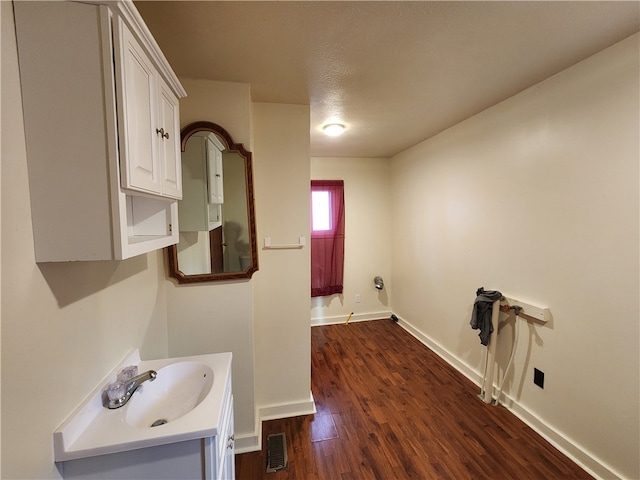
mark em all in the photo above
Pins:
pixel 185 401
pixel 178 389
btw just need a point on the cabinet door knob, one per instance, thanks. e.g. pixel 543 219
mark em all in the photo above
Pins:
pixel 162 133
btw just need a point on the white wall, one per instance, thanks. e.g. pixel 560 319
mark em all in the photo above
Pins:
pixel 226 103
pixel 263 321
pixel 217 317
pixel 282 285
pixel 537 197
pixel 367 191
pixel 64 325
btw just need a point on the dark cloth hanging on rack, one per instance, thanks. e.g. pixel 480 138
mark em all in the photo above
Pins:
pixel 481 314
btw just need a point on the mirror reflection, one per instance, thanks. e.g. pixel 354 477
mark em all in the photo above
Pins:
pixel 216 218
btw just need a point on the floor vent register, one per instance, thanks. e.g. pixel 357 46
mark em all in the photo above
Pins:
pixel 276 452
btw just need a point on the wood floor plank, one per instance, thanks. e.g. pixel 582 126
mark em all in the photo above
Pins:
pixel 390 408
pixel 323 427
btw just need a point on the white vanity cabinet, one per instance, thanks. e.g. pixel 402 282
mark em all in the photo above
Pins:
pixel 101 119
pixel 210 458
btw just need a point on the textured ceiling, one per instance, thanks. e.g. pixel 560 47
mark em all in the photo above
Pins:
pixel 395 73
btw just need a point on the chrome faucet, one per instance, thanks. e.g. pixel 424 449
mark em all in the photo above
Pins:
pixel 120 392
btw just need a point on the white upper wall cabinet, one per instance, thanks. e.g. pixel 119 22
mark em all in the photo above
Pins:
pixel 101 121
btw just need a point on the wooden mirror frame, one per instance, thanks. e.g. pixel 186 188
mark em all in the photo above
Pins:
pixel 172 251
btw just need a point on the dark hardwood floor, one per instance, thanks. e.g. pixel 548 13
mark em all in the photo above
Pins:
pixel 390 408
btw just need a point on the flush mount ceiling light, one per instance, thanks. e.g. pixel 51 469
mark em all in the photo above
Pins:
pixel 333 129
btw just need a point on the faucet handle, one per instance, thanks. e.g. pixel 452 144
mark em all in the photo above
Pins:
pixel 127 373
pixel 116 392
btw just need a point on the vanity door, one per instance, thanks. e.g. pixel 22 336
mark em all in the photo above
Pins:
pixel 228 467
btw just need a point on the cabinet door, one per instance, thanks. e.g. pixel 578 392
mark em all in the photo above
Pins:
pixel 139 161
pixel 214 160
pixel 229 461
pixel 169 141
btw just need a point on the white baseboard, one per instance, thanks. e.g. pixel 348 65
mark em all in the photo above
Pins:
pixel 587 461
pixel 442 352
pixel 286 410
pixel 248 443
pixel 594 466
pixel 253 443
pixel 356 317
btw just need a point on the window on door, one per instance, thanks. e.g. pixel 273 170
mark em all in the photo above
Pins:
pixel 327 237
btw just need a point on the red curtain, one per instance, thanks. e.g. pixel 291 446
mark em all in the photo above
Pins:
pixel 327 246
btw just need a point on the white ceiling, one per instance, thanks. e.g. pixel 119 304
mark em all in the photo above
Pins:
pixel 395 73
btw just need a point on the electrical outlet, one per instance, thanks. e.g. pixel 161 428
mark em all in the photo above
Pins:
pixel 358 298
pixel 538 377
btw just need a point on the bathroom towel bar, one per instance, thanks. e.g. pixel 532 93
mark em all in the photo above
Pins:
pixel 280 246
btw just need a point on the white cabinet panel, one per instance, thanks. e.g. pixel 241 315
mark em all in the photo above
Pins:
pixel 139 162
pixel 219 451
pixel 169 152
pixel 228 470
pixel 174 461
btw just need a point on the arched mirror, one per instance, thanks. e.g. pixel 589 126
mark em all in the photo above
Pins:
pixel 216 214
